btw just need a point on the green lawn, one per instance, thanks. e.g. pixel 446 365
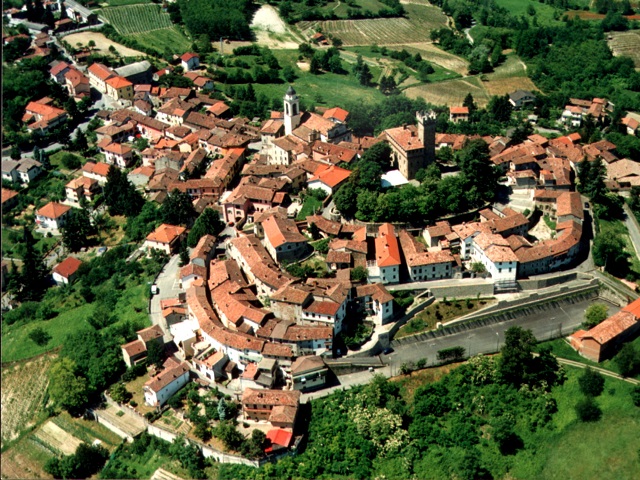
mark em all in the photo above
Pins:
pixel 550 223
pixel 310 205
pixel 56 159
pixel 544 13
pixel 575 450
pixel 166 38
pixel 12 246
pixel 119 3
pixel 16 344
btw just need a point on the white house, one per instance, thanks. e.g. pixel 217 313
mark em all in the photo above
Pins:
pixel 328 178
pixel 495 253
pixel 282 239
pixel 190 61
pixel 377 302
pixel 166 238
pixel 161 387
pixel 386 267
pixel 53 215
pixel 308 372
pixel 65 271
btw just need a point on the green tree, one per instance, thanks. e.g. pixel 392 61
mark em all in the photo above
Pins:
pixel 80 142
pixel 500 109
pixel 183 254
pixel 627 360
pixel 16 154
pixel 39 336
pixel 77 230
pixel 120 195
pixel 516 356
pixel 635 395
pixel 208 223
pixel 359 274
pixel 609 252
pixel 591 382
pixel 70 161
pixel 155 355
pixel 595 314
pixel 314 231
pixel 346 199
pixel 587 410
pixel 33 279
pixel 67 389
pixel 177 209
pixel 119 393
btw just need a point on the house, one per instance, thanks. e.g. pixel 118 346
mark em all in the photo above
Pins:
pixel 166 238
pixel 376 301
pixel 521 98
pixel 81 188
pixel 41 115
pixel 78 84
pixel 386 267
pixel 328 178
pixel 458 114
pixel 632 125
pixel 423 265
pixel 119 88
pixel 205 83
pixel 53 215
pixel 159 389
pixel 282 239
pixel 58 71
pixel 22 171
pixel 79 13
pixel 336 115
pixel 278 407
pixel 133 352
pixel 190 61
pixel 413 147
pixel 603 340
pixel 211 364
pixel 117 154
pixel 65 272
pixel 495 253
pixel 308 372
pixel 204 251
pixel 97 171
pixel 140 176
pixel 9 199
pixel 98 76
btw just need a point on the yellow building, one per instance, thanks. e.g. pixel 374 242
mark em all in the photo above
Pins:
pixel 119 88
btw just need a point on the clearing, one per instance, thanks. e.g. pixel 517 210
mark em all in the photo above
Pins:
pixel 271 31
pixel 508 77
pixel 102 44
pixel 24 385
pixel 58 439
pixel 416 27
pixel 626 43
pixel 431 53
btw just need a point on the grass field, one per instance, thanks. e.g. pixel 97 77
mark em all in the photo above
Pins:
pixel 16 345
pixel 171 38
pixel 508 77
pixel 120 3
pixel 416 27
pixel 13 248
pixel 626 43
pixel 544 13
pixel 309 207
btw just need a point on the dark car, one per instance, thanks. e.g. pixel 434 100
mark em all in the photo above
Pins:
pixel 586 205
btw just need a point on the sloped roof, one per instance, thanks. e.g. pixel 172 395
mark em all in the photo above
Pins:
pixel 166 233
pixel 331 176
pixel 67 267
pixel 53 210
pixel 387 250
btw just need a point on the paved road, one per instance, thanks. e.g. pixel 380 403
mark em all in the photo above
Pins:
pixel 634 231
pixel 169 287
pixel 489 339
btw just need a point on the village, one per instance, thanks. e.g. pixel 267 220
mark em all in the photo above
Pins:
pixel 261 309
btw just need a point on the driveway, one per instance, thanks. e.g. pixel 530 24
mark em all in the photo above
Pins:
pixel 168 283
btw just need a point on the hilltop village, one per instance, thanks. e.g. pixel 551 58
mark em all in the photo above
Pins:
pixel 261 282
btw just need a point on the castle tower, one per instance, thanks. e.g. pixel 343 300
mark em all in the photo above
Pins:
pixel 427 135
pixel 291 111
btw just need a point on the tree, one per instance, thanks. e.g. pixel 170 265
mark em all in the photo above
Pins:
pixel 67 389
pixel 588 410
pixel 591 382
pixel 120 195
pixel 388 85
pixel 609 252
pixel 155 355
pixel 15 154
pixel 314 66
pixel 595 314
pixel 77 230
pixel 33 279
pixel 469 103
pixel 208 223
pixel 500 108
pixel 119 393
pixel 177 209
pixel 359 274
pixel 516 356
pixel 183 255
pixel 70 161
pixel 80 141
pixel 39 336
pixel 505 436
pixel 635 395
pixel 346 199
pixel 627 360
pixel 222 409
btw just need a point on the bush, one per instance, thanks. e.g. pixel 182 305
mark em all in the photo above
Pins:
pixel 359 274
pixel 635 395
pixel 591 383
pixel 39 336
pixel 588 410
pixel 70 161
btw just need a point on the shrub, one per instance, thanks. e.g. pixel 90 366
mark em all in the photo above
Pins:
pixel 70 161
pixel 588 410
pixel 39 336
pixel 635 395
pixel 591 383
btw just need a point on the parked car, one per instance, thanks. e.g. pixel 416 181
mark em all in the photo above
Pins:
pixel 154 289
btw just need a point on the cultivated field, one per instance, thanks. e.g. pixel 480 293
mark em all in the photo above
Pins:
pixel 25 459
pixel 23 392
pixel 626 43
pixel 58 439
pixel 136 18
pixel 102 43
pixel 171 38
pixel 431 53
pixel 417 27
pixel 508 77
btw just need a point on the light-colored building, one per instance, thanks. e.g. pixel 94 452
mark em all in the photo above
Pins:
pixel 190 61
pixel 53 215
pixel 328 178
pixel 166 238
pixel 413 147
pixel 65 272
pixel 495 253
pixel 119 88
pixel 458 114
pixel 282 239
pixel 386 267
pixel 308 373
pixel 376 301
pixel 159 389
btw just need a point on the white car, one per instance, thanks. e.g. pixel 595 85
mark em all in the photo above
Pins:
pixel 154 289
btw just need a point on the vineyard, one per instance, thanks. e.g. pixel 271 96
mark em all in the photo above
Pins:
pixel 626 43
pixel 417 27
pixel 132 19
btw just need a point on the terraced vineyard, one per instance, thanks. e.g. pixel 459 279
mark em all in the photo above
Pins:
pixel 416 27
pixel 626 43
pixel 132 19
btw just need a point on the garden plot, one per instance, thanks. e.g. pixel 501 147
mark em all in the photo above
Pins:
pixel 626 43
pixel 58 439
pixel 132 19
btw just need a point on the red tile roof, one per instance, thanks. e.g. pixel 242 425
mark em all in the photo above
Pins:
pixel 279 231
pixel 167 376
pixel 337 113
pixel 188 56
pixel 8 195
pixel 459 110
pixel 387 250
pixel 53 210
pixel 166 233
pixel 278 436
pixel 101 71
pixel 331 176
pixel 67 267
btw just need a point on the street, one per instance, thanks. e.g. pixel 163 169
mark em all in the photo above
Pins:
pixel 634 231
pixel 168 287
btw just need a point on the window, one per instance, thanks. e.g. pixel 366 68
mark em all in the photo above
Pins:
pixel 500 270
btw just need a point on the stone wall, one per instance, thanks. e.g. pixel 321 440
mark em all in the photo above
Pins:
pixel 463 291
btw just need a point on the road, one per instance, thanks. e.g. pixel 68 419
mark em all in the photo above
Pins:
pixel 168 287
pixel 634 231
pixel 482 340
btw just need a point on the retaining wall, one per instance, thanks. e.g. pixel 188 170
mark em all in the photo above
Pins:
pixel 463 291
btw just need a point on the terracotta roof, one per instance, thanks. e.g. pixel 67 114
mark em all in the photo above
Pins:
pixel 300 333
pixel 322 308
pixel 633 308
pixel 53 210
pixel 406 137
pixel 188 56
pixel 570 203
pixel 317 123
pixel 167 376
pixel 612 327
pixel 278 436
pixel 166 233
pixel 150 333
pixel 101 71
pixel 377 291
pixel 459 110
pixel 387 250
pixel 8 195
pixel 338 257
pixel 440 229
pixel 58 68
pixel 308 363
pixel 289 398
pixel 330 175
pixel 134 348
pixel 279 231
pixel 277 350
pixel 67 267
pixel 337 113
